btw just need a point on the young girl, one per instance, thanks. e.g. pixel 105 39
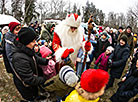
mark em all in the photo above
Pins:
pixel 103 59
pixel 48 70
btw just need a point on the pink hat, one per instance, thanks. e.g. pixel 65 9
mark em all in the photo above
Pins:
pixel 45 51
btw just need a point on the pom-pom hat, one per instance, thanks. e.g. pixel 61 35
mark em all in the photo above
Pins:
pixel 93 80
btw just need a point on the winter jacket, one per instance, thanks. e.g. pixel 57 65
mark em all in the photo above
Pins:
pixel 119 58
pixel 130 41
pixel 101 47
pixel 127 89
pixel 7 50
pixel 8 47
pixel 103 61
pixel 57 87
pixel 25 64
pixel 80 95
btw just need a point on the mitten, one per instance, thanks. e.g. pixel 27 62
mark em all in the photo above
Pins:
pixel 87 46
pixel 110 62
pixel 66 53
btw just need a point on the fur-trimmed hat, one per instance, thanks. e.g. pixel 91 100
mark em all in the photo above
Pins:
pixel 93 80
pixel 12 25
pixel 68 76
pixel 73 20
pixel 26 35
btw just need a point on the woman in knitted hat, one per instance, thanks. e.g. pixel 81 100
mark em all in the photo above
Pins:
pixel 90 87
pixel 117 60
pixel 10 36
pixel 102 60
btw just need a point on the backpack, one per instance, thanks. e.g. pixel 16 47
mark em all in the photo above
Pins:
pixel 5 59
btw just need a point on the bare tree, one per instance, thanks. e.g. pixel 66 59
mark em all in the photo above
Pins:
pixel 17 8
pixel 2 6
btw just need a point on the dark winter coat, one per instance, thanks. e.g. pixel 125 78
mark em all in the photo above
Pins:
pixel 127 89
pixel 7 50
pixel 25 67
pixel 119 58
pixel 101 47
pixel 130 41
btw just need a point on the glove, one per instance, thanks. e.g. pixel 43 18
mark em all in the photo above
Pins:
pixel 66 53
pixel 110 62
pixel 87 46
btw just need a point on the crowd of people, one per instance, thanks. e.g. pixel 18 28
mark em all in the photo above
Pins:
pixel 46 61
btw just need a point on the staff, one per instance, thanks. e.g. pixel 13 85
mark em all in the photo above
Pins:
pixel 90 27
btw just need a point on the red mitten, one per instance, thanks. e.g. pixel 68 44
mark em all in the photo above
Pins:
pixel 67 52
pixel 87 46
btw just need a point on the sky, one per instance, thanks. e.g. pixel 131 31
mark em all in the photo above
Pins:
pixel 106 6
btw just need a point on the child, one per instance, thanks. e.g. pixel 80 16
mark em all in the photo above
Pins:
pixel 103 59
pixel 48 70
pixel 90 87
pixel 61 84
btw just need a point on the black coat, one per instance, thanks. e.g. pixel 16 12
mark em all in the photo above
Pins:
pixel 127 89
pixel 119 58
pixel 101 47
pixel 24 65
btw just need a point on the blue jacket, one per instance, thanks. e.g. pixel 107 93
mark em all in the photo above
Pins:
pixel 8 47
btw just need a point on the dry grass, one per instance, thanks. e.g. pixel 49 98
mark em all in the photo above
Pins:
pixel 9 93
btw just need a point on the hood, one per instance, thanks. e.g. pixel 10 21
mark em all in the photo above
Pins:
pixel 86 95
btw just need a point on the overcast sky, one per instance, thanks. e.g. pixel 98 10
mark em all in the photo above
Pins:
pixel 110 5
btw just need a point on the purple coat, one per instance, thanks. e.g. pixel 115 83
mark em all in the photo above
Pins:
pixel 103 61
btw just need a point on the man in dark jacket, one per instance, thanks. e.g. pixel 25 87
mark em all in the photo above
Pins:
pixel 117 60
pixel 128 87
pixel 25 62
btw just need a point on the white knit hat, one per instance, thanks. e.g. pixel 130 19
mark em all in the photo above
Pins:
pixel 110 48
pixel 68 76
pixel 73 20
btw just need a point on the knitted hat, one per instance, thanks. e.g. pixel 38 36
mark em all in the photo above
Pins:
pixel 68 76
pixel 124 38
pixel 110 48
pixel 26 35
pixel 93 80
pixel 12 25
pixel 129 27
pixel 104 33
pixel 45 51
pixel 73 20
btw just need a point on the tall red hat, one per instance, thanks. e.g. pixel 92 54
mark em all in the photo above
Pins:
pixel 73 20
pixel 93 80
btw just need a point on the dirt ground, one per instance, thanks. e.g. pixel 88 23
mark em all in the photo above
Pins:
pixel 9 93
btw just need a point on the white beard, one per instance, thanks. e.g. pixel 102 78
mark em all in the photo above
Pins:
pixel 70 39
